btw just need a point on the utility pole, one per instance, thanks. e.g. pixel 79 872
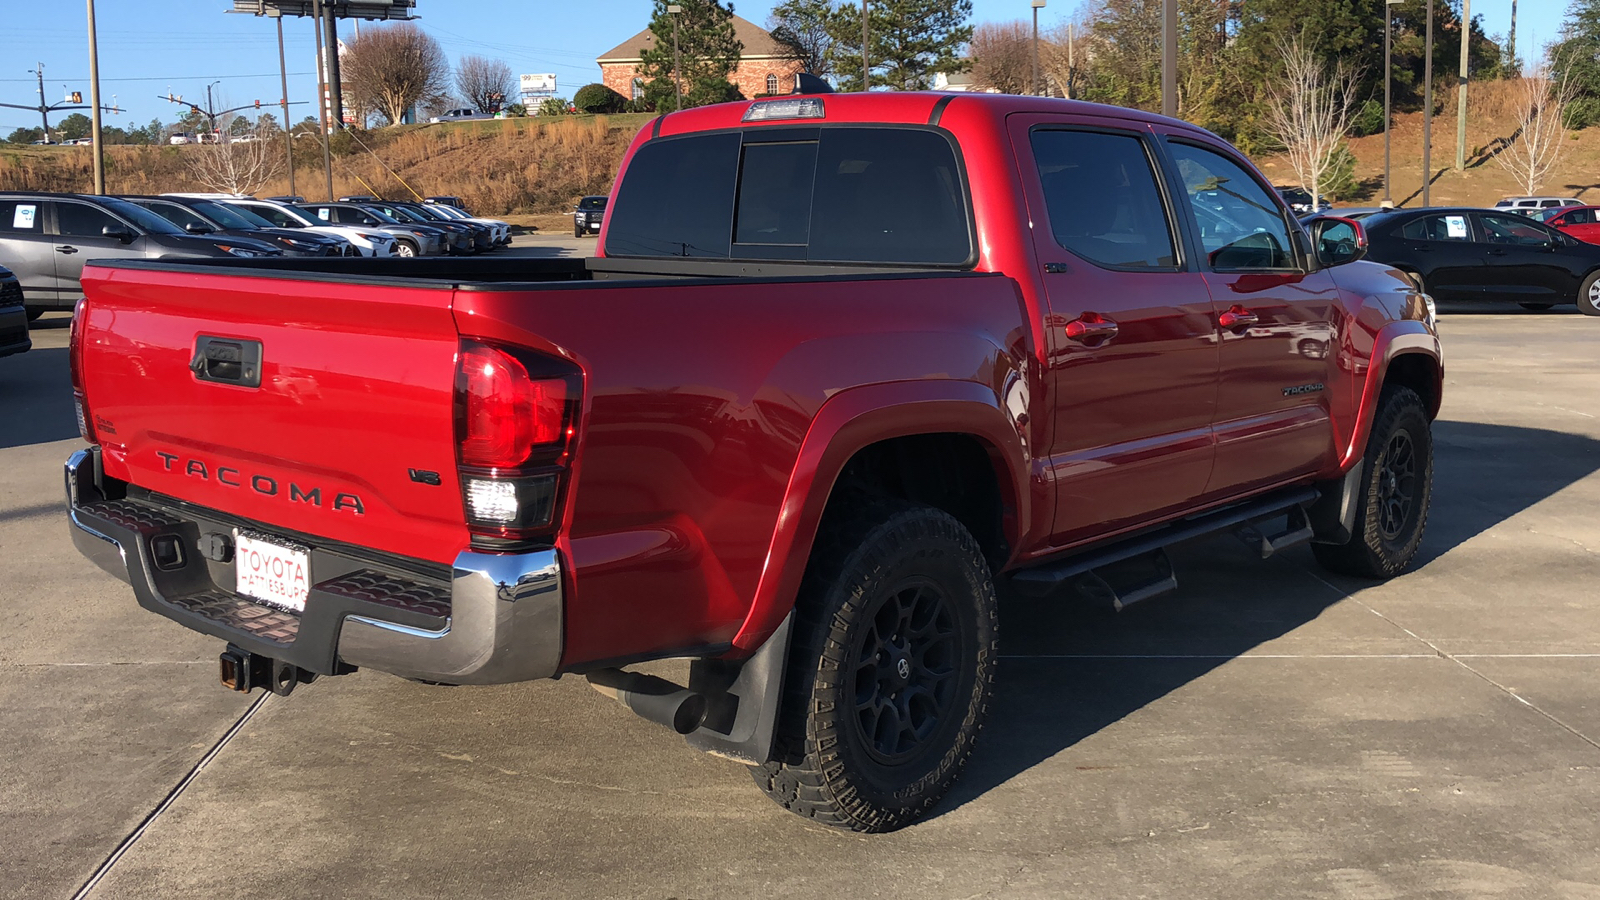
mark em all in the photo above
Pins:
pixel 1036 6
pixel 1169 57
pixel 866 67
pixel 322 98
pixel 1072 59
pixel 1461 92
pixel 97 152
pixel 288 129
pixel 674 10
pixel 1512 40
pixel 1427 109
pixel 1388 84
pixel 44 110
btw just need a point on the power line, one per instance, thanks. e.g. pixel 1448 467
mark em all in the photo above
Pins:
pixel 159 78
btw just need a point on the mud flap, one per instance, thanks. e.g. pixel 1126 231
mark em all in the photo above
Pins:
pixel 744 698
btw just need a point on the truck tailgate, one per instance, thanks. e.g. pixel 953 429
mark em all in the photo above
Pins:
pixel 349 435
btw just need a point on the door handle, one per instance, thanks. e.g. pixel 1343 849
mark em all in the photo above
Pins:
pixel 1091 328
pixel 1237 318
pixel 66 248
pixel 1497 252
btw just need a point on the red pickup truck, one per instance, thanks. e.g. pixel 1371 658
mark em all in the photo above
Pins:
pixel 846 363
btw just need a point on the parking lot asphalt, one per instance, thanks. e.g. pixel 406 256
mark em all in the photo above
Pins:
pixel 1268 731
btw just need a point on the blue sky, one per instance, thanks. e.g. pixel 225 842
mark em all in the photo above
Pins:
pixel 150 46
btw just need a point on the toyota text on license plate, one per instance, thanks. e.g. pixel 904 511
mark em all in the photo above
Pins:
pixel 272 572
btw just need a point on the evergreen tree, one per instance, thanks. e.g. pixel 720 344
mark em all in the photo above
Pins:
pixel 1576 57
pixel 706 48
pixel 25 136
pixel 73 127
pixel 910 41
pixel 803 28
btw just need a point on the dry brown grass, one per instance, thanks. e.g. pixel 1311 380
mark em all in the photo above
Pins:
pixel 503 167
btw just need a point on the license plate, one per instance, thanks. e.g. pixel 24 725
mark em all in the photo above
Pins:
pixel 273 572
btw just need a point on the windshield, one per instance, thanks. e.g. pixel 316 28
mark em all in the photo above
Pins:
pixel 406 215
pixel 281 216
pixel 230 216
pixel 380 215
pixel 141 217
pixel 592 203
pixel 450 212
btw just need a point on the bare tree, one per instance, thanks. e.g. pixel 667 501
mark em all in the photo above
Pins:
pixel 1065 52
pixel 238 166
pixel 395 68
pixel 1002 57
pixel 1308 111
pixel 486 83
pixel 1536 146
pixel 801 28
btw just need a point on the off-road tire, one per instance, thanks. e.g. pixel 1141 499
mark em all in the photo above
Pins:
pixel 1589 295
pixel 869 557
pixel 1391 507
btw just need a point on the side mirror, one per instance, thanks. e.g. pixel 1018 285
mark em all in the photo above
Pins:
pixel 119 232
pixel 1338 240
pixel 198 228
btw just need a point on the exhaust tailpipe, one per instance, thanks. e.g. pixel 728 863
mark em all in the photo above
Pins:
pixel 656 699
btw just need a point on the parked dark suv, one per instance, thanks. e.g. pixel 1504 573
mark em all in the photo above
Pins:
pixel 13 320
pixel 46 238
pixel 588 216
pixel 199 216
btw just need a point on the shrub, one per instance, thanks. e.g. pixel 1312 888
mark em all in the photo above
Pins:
pixel 1582 113
pixel 1367 120
pixel 554 106
pixel 1340 179
pixel 597 98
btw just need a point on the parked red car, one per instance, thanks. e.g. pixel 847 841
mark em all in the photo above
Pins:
pixel 847 361
pixel 1582 222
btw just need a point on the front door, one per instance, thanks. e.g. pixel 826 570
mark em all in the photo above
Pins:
pixel 1528 261
pixel 1276 317
pixel 1133 353
pixel 28 250
pixel 80 237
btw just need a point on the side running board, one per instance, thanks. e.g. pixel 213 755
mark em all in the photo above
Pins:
pixel 1136 568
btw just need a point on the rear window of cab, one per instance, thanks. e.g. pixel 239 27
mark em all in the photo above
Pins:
pixel 817 194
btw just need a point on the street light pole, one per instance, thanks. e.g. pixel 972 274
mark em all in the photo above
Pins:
pixel 1427 108
pixel 1461 93
pixel 1388 84
pixel 44 115
pixel 1037 4
pixel 866 67
pixel 1169 58
pixel 675 10
pixel 288 131
pixel 322 100
pixel 96 151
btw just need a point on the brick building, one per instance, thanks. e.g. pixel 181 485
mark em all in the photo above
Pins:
pixel 765 67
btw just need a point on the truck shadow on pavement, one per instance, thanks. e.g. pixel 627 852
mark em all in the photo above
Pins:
pixel 36 398
pixel 1069 670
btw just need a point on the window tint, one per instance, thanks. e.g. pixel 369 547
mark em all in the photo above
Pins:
pixel 676 198
pixel 1579 217
pixel 1509 230
pixel 276 216
pixel 83 220
pixel 879 195
pixel 175 214
pixel 1241 226
pixel 21 217
pixel 775 194
pixel 1101 195
pixel 592 203
pixel 1437 228
pixel 888 195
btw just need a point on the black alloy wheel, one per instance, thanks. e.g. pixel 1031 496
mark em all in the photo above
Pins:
pixel 1393 493
pixel 1397 486
pixel 905 674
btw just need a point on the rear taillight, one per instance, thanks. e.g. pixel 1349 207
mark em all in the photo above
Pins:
pixel 75 362
pixel 516 415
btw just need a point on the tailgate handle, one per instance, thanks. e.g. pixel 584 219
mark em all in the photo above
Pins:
pixel 227 361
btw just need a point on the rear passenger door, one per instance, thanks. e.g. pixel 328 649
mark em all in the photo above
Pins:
pixel 27 250
pixel 1444 251
pixel 1132 376
pixel 1276 315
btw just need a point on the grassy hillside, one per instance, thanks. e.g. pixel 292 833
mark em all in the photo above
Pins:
pixel 499 167
pixel 534 166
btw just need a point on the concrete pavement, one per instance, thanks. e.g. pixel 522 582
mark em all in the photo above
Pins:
pixel 1269 731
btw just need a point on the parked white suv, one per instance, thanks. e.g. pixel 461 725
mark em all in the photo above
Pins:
pixel 1529 205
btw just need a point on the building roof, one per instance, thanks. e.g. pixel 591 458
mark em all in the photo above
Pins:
pixel 757 43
